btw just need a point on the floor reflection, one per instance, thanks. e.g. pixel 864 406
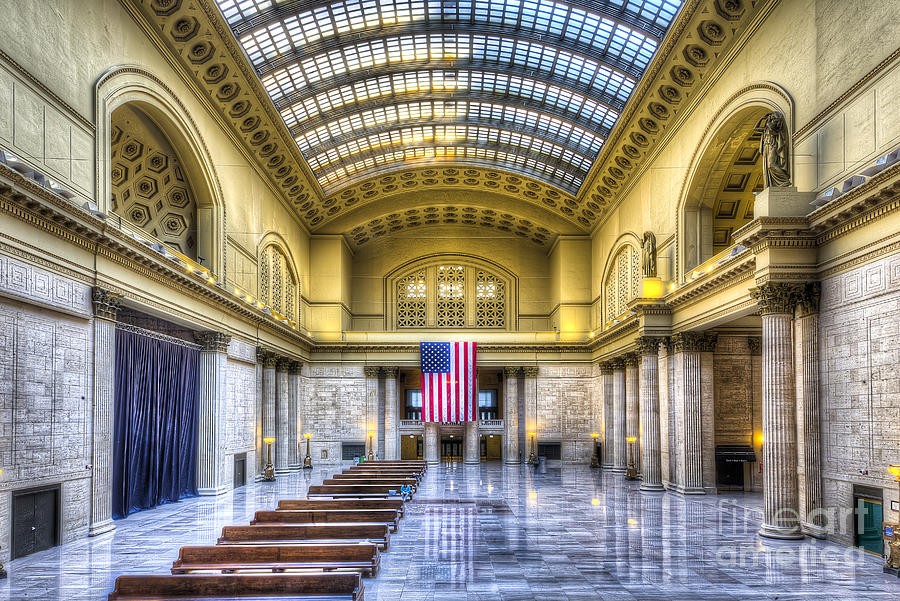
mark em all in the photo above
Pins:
pixel 492 532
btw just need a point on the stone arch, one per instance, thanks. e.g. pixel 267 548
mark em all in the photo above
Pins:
pixel 617 286
pixel 725 174
pixel 145 96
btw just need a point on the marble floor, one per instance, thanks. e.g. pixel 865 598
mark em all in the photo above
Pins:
pixel 492 532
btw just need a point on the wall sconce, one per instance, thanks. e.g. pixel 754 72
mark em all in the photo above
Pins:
pixel 371 455
pixel 532 457
pixel 269 472
pixel 595 461
pixel 307 461
pixel 631 471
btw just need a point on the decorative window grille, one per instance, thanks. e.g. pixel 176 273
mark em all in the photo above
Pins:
pixel 490 301
pixel 411 301
pixel 623 282
pixel 452 296
pixel 277 285
pixel 451 300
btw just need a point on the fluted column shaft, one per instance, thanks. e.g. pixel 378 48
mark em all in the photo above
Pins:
pixel 780 494
pixel 391 413
pixel 268 400
pixel 620 445
pixel 432 455
pixel 606 374
pixel 511 416
pixel 472 451
pixel 106 307
pixel 282 416
pixel 650 429
pixel 294 416
pixel 633 406
pixel 212 388
pixel 809 449
pixel 372 375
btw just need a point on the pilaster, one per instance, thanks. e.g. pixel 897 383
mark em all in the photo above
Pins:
pixel 372 374
pixel 391 413
pixel 282 415
pixel 293 445
pixel 212 388
pixel 432 455
pixel 511 416
pixel 648 350
pixel 620 445
pixel 529 382
pixel 267 360
pixel 106 306
pixel 632 405
pixel 606 375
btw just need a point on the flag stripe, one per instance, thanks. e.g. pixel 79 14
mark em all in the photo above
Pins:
pixel 449 381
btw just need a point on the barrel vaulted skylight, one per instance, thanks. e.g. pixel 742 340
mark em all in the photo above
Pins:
pixel 370 86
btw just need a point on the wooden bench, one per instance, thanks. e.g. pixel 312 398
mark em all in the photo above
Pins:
pixel 305 533
pixel 352 490
pixel 397 465
pixel 361 557
pixel 329 516
pixel 394 482
pixel 193 587
pixel 384 468
pixel 316 504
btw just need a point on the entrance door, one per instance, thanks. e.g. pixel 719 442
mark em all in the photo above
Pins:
pixel 35 521
pixel 240 470
pixel 411 447
pixel 451 449
pixel 868 525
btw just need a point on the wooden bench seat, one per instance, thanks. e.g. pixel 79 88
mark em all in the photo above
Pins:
pixel 327 516
pixel 305 533
pixel 317 504
pixel 246 587
pixel 394 482
pixel 352 490
pixel 386 471
pixel 362 557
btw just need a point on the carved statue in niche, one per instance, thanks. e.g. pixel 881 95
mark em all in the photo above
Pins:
pixel 773 146
pixel 649 246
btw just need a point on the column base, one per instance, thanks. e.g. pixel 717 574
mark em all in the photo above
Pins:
pixel 618 470
pixel 433 461
pixel 472 462
pixel 212 492
pixel 507 462
pixel 645 487
pixel 813 530
pixel 689 490
pixel 294 467
pixel 102 527
pixel 282 470
pixel 780 533
pixel 606 466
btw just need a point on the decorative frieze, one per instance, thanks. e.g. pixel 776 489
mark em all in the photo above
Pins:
pixel 215 342
pixel 776 297
pixel 106 303
pixel 694 342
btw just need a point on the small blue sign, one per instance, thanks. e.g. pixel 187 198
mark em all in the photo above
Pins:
pixel 888 532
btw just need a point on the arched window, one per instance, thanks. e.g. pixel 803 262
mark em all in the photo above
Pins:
pixel 451 295
pixel 623 281
pixel 277 284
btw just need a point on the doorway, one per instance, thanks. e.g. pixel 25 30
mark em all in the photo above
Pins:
pixel 491 447
pixel 868 524
pixel 411 446
pixel 240 470
pixel 451 448
pixel 35 521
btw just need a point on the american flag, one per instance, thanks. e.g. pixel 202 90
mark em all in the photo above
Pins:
pixel 448 381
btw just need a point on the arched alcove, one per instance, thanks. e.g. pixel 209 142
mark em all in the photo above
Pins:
pixel 725 175
pixel 150 149
pixel 621 278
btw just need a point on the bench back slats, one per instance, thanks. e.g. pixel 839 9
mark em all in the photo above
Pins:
pixel 236 585
pixel 305 531
pixel 325 516
pixel 306 504
pixel 248 554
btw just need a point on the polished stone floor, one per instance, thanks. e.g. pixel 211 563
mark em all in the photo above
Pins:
pixel 491 532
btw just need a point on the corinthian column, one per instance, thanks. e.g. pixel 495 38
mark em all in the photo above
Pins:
pixel 372 374
pixel 620 445
pixel 391 413
pixel 267 360
pixel 106 307
pixel 282 415
pixel 780 495
pixel 648 348
pixel 809 444
pixel 606 373
pixel 511 415
pixel 294 416
pixel 212 388
pixel 633 406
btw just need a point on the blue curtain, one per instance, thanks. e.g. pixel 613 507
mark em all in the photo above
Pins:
pixel 156 423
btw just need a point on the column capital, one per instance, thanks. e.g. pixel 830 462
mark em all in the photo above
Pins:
pixel 606 367
pixel 296 367
pixel 390 372
pixel 215 342
pixel 530 371
pixel 808 299
pixel 106 303
pixel 511 372
pixel 631 359
pixel 617 363
pixel 266 358
pixel 649 345
pixel 694 342
pixel 776 297
pixel 371 371
pixel 283 364
pixel 755 345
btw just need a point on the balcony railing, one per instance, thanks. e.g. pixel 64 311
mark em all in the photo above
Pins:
pixel 410 423
pixel 484 424
pixel 491 423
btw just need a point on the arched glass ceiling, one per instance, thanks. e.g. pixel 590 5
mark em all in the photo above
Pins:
pixel 367 86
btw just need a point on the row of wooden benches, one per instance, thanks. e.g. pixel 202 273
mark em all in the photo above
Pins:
pixel 339 526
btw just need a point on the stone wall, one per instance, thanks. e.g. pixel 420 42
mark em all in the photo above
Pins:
pixel 859 345
pixel 565 410
pixel 333 408
pixel 240 407
pixel 45 408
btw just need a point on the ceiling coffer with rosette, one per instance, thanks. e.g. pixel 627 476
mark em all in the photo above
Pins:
pixel 367 87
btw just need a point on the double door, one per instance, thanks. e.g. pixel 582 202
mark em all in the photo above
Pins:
pixel 35 521
pixel 451 449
